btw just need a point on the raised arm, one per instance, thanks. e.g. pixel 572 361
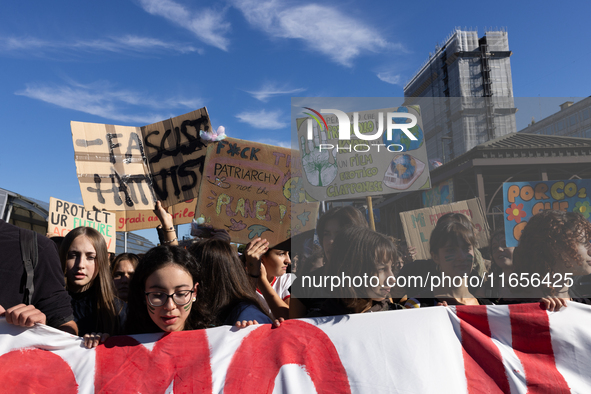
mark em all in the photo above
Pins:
pixel 166 232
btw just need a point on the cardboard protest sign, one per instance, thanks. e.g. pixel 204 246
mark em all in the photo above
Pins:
pixel 65 216
pixel 176 155
pixel 248 189
pixel 379 157
pixel 522 200
pixel 182 213
pixel 123 168
pixel 419 224
pixel 443 193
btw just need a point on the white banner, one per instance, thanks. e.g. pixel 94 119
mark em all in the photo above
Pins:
pixel 469 349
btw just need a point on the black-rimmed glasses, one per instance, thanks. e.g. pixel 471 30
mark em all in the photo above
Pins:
pixel 156 298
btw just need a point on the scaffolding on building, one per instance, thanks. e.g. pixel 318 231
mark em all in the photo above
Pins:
pixel 465 92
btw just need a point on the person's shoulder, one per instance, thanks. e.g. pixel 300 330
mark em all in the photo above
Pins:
pixel 8 232
pixel 47 247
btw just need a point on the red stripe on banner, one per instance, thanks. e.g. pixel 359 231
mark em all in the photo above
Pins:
pixel 262 353
pixel 532 343
pixel 123 365
pixel 483 361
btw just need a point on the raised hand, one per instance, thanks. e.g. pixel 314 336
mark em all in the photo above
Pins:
pixel 252 254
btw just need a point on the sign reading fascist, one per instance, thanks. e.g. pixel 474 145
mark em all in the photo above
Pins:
pixel 122 168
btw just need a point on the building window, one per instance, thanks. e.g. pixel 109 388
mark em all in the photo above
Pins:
pixel 559 125
pixel 573 120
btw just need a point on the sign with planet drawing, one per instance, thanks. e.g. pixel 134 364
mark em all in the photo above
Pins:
pixel 252 190
pixel 352 155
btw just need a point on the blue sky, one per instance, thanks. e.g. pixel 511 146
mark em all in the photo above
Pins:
pixel 137 62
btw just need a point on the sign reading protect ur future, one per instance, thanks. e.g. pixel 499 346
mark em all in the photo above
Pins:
pixel 357 154
pixel 522 200
pixel 65 216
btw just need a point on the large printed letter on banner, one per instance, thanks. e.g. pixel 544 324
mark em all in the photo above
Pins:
pixel 36 371
pixel 320 359
pixel 124 365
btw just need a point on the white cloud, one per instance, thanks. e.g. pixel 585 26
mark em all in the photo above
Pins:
pixel 102 100
pixel 323 28
pixel 207 24
pixel 263 119
pixel 390 77
pixel 122 44
pixel 269 90
pixel 270 141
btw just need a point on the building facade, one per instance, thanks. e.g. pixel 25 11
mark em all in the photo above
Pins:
pixel 573 120
pixel 465 93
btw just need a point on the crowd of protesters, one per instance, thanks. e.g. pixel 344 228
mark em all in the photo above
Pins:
pixel 79 289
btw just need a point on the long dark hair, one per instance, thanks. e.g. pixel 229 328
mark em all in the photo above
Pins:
pixel 358 251
pixel 102 285
pixel 138 320
pixel 548 238
pixel 451 231
pixel 225 283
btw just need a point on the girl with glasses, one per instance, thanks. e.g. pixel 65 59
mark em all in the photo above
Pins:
pixel 164 293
